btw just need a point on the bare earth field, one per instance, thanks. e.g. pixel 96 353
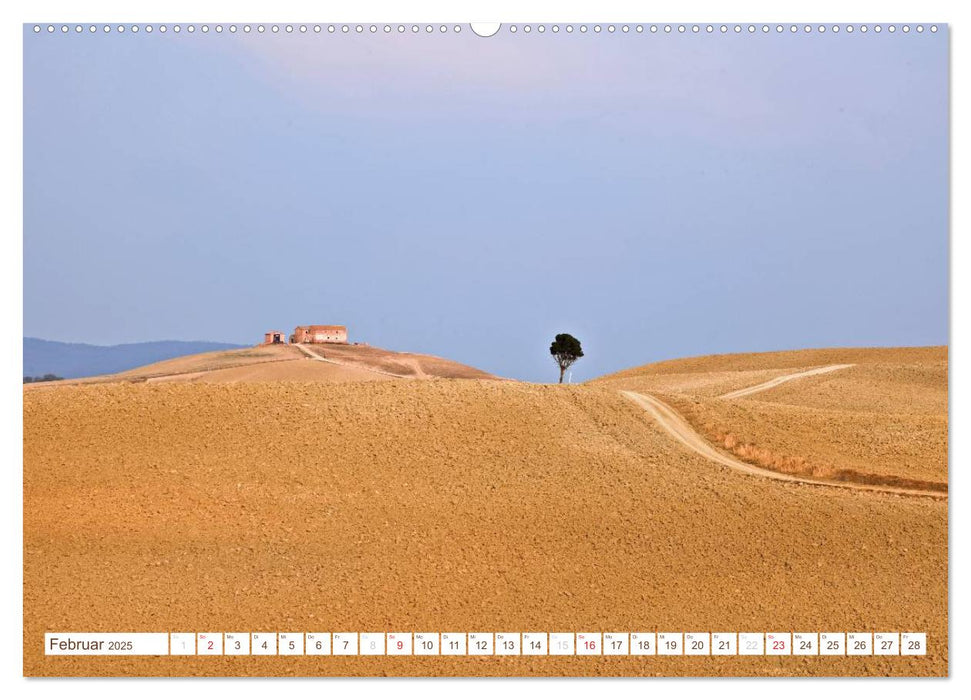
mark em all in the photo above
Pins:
pixel 212 361
pixel 882 419
pixel 791 360
pixel 276 363
pixel 404 364
pixel 462 505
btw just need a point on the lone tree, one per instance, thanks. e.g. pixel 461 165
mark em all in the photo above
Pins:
pixel 565 350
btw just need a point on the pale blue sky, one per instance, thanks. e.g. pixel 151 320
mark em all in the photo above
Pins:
pixel 656 196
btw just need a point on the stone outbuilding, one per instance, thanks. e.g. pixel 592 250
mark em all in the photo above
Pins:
pixel 274 338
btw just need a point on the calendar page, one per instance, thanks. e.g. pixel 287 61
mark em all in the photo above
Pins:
pixel 513 349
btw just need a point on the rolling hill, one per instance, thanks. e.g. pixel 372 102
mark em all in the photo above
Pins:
pixel 275 363
pixel 473 504
pixel 876 415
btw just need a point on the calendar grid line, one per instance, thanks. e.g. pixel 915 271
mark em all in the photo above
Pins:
pixel 483 644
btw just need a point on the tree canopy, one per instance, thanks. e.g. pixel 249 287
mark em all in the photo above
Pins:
pixel 566 350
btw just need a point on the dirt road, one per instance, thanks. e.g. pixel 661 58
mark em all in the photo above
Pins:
pixel 314 356
pixel 678 427
pixel 747 391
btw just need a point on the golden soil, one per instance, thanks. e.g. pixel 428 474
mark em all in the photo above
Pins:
pixel 882 421
pixel 438 506
pixel 787 359
pixel 299 369
pixel 275 363
pixel 404 364
pixel 210 361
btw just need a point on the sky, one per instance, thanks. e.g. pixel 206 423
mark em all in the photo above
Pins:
pixel 657 196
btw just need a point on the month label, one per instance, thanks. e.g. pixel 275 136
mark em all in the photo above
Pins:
pixel 107 644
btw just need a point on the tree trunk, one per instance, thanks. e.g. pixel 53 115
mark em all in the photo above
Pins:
pixel 562 370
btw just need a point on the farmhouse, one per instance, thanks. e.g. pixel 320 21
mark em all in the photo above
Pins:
pixel 319 334
pixel 274 338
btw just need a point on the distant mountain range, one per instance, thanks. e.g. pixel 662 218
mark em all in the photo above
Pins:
pixel 71 360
